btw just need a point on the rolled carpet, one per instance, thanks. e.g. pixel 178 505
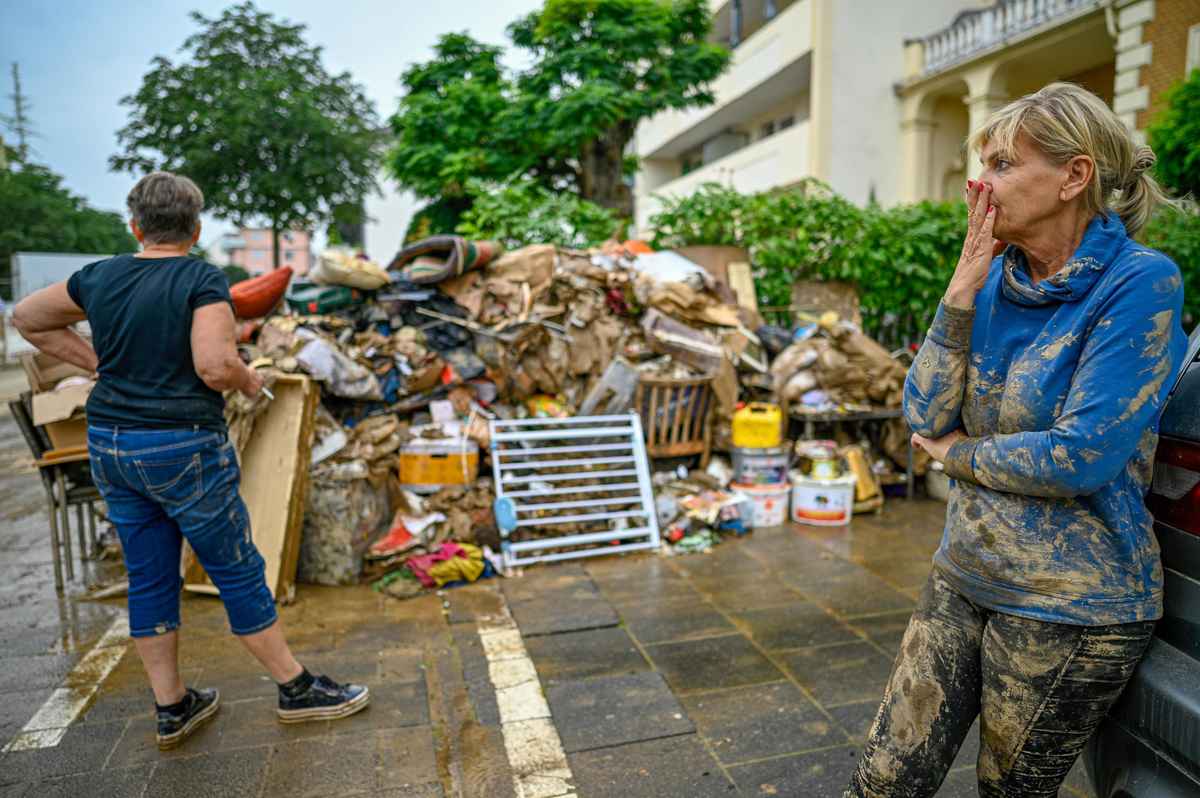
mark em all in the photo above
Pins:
pixel 439 258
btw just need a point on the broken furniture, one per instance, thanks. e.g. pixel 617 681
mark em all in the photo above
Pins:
pixel 66 476
pixel 275 465
pixel 677 415
pixel 586 478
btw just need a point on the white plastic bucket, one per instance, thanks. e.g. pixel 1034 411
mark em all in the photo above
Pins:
pixel 770 503
pixel 760 466
pixel 823 502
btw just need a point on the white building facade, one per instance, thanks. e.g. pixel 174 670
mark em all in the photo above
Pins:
pixel 809 93
pixel 875 97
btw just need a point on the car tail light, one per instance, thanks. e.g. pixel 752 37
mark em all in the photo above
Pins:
pixel 1175 493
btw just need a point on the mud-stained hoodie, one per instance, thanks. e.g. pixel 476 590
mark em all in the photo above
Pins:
pixel 1059 387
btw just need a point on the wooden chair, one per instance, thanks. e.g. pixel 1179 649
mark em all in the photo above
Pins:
pixel 676 416
pixel 67 479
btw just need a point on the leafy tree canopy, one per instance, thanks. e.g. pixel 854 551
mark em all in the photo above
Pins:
pixel 597 68
pixel 41 215
pixel 251 114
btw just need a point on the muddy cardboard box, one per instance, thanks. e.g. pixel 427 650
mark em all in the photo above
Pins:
pixel 60 411
pixel 60 390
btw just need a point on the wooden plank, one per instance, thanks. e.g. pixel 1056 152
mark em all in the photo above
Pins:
pixel 742 283
pixel 275 484
pixel 69 454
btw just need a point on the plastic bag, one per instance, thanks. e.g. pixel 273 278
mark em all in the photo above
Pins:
pixel 341 266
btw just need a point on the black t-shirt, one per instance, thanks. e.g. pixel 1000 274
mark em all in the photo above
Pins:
pixel 140 311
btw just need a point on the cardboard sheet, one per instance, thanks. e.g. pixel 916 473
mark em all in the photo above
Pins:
pixel 51 406
pixel 274 486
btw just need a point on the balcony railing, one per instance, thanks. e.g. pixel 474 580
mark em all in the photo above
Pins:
pixel 977 30
pixel 777 160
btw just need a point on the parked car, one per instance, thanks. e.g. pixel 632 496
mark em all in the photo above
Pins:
pixel 1149 747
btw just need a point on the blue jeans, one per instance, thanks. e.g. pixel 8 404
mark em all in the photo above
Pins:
pixel 162 485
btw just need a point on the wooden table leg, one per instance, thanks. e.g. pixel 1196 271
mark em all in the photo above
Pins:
pixel 81 530
pixel 91 511
pixel 55 543
pixel 66 523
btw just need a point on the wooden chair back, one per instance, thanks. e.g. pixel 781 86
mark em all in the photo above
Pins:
pixel 676 415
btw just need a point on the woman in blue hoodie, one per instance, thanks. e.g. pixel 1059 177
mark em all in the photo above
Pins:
pixel 1039 387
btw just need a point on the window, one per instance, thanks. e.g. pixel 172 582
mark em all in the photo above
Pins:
pixel 1193 49
pixel 287 256
pixel 770 9
pixel 735 23
pixel 766 130
pixel 786 122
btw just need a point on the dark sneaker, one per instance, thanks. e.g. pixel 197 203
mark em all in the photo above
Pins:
pixel 176 723
pixel 324 699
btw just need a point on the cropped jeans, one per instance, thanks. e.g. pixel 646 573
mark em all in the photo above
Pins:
pixel 164 485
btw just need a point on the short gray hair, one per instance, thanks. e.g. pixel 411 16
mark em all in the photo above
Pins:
pixel 166 207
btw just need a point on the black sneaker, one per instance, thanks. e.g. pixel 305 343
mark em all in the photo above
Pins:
pixel 177 722
pixel 324 699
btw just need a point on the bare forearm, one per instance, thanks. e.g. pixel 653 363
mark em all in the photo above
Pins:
pixel 230 374
pixel 65 344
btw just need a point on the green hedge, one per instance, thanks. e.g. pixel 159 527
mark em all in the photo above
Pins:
pixel 1177 234
pixel 522 212
pixel 900 258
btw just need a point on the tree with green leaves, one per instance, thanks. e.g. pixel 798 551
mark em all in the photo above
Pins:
pixel 252 115
pixel 523 212
pixel 598 68
pixel 455 124
pixel 41 215
pixel 1175 137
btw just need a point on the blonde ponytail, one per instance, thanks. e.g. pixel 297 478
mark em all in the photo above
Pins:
pixel 1141 194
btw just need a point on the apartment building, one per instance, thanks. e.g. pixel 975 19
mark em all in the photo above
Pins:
pixel 808 93
pixel 875 97
pixel 252 249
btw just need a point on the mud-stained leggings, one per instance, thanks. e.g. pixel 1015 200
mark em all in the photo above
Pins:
pixel 1039 688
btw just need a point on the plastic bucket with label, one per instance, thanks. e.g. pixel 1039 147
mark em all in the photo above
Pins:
pixel 770 503
pixel 822 502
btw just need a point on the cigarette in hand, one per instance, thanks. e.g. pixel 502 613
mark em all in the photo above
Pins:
pixel 267 391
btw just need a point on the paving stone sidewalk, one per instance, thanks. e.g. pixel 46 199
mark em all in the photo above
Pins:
pixel 754 670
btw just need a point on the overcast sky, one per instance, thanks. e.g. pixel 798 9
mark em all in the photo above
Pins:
pixel 79 57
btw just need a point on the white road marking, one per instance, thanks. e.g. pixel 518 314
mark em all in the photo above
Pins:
pixel 535 752
pixel 49 725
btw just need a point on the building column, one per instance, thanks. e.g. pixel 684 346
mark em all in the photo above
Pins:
pixel 821 90
pixel 979 108
pixel 1129 95
pixel 916 144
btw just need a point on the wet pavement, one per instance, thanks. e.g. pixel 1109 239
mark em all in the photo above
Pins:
pixel 754 670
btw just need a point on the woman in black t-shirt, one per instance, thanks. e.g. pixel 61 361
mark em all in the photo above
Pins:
pixel 164 348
